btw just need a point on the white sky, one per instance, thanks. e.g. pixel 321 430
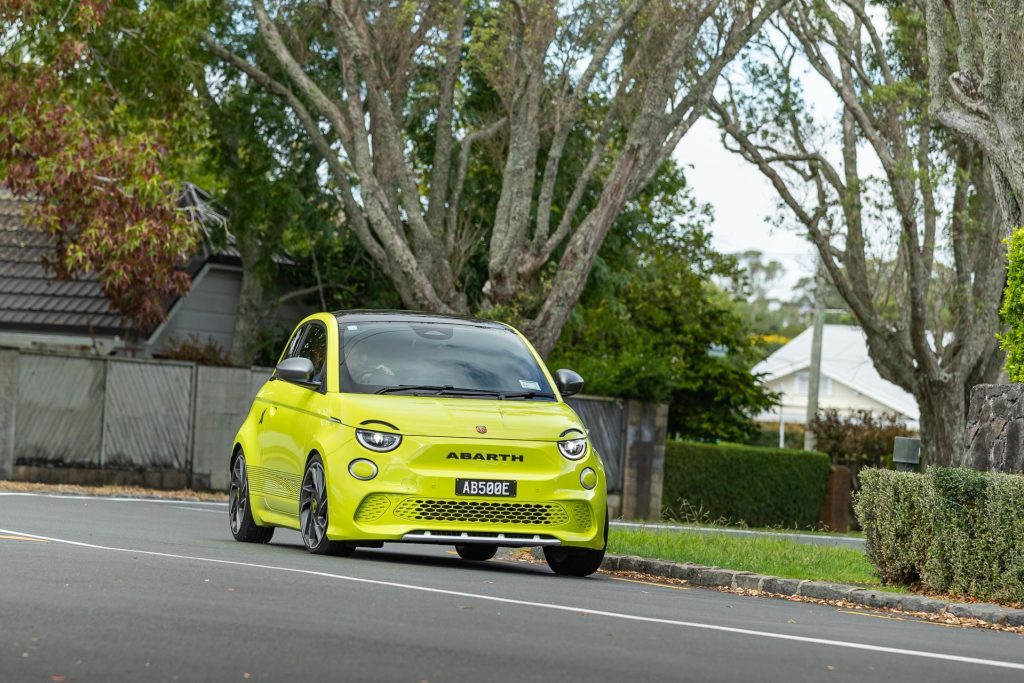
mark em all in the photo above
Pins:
pixel 744 203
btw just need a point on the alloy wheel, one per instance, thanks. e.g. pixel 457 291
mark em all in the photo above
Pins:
pixel 238 494
pixel 313 506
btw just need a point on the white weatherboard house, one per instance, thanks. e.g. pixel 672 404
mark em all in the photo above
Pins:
pixel 849 380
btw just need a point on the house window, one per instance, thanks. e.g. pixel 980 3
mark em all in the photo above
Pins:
pixel 802 381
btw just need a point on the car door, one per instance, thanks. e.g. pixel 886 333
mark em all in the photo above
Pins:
pixel 271 477
pixel 298 411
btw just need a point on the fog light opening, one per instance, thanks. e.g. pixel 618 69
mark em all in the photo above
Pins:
pixel 362 469
pixel 588 478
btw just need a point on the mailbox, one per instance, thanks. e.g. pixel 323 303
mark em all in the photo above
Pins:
pixel 906 454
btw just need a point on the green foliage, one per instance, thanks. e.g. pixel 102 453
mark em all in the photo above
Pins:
pixel 650 325
pixel 858 439
pixel 767 436
pixel 764 487
pixel 950 530
pixel 1013 308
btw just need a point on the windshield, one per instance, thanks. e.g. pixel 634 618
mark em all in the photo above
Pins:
pixel 417 358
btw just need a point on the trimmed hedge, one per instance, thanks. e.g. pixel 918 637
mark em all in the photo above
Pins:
pixel 954 531
pixel 760 487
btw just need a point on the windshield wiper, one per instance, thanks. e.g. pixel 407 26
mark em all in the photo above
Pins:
pixel 439 389
pixel 528 394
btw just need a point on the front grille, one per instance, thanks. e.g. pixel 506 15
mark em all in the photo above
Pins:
pixel 481 512
pixel 372 507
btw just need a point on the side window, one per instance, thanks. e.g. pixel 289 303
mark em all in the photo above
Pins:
pixel 292 350
pixel 314 347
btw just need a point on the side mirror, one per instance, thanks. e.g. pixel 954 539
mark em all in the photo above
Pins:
pixel 568 382
pixel 298 370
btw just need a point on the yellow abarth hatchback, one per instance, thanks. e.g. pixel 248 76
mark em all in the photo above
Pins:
pixel 406 427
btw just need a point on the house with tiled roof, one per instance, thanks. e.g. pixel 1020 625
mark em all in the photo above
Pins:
pixel 38 311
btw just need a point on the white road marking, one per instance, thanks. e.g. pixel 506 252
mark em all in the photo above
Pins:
pixel 543 605
pixel 113 499
pixel 183 507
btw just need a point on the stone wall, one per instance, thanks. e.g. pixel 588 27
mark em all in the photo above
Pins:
pixel 994 438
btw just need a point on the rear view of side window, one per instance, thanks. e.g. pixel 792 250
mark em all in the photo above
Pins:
pixel 314 347
pixel 292 350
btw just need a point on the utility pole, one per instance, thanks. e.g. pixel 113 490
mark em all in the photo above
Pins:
pixel 815 369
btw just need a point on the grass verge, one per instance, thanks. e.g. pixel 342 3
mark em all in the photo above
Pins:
pixel 773 556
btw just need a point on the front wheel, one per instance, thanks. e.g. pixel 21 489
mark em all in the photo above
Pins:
pixel 313 512
pixel 576 561
pixel 476 552
pixel 243 526
pixel 573 561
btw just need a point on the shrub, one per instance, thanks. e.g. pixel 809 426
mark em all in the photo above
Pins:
pixel 768 487
pixel 196 351
pixel 953 531
pixel 891 510
pixel 1012 311
pixel 857 439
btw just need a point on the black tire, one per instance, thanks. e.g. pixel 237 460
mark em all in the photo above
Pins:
pixel 243 526
pixel 576 561
pixel 476 552
pixel 313 512
pixel 573 561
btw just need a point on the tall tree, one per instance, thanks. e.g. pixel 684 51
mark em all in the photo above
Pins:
pixel 652 325
pixel 930 328
pixel 347 70
pixel 976 73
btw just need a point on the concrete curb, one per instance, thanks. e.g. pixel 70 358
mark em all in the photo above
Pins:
pixel 716 577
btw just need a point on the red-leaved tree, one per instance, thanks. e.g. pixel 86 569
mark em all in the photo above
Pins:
pixel 95 185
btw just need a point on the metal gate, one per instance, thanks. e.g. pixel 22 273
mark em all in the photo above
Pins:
pixel 147 414
pixel 90 412
pixel 59 411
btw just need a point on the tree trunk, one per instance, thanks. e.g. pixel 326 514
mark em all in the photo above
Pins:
pixel 943 409
pixel 250 307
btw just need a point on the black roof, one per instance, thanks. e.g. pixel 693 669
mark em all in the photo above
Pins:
pixel 31 298
pixel 413 316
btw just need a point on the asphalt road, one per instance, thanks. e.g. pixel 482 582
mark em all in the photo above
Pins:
pixel 101 590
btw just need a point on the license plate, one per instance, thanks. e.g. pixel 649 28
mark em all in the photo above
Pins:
pixel 485 487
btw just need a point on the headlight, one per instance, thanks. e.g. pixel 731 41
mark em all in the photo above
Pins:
pixel 574 449
pixel 381 442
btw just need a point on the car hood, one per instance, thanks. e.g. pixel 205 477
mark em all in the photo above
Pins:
pixel 462 417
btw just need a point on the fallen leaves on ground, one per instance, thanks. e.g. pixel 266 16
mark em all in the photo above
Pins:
pixel 131 491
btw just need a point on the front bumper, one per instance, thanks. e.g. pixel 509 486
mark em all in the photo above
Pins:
pixel 508 522
pixel 413 499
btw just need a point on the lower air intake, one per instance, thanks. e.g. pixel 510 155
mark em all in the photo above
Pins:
pixel 372 507
pixel 481 512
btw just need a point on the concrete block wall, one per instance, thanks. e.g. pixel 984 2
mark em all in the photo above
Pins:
pixel 8 403
pixel 223 397
pixel 644 460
